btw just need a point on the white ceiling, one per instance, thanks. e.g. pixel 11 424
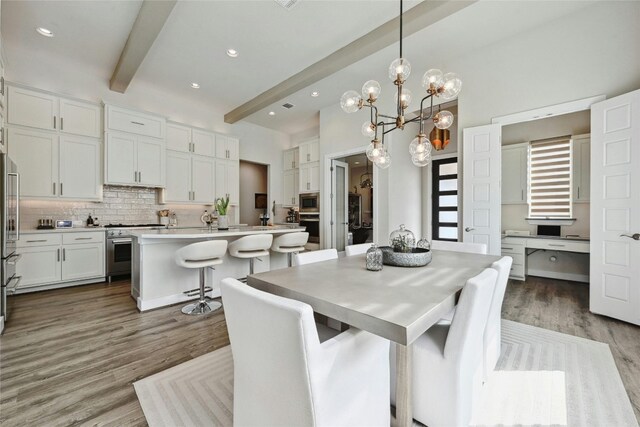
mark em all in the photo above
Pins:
pixel 274 43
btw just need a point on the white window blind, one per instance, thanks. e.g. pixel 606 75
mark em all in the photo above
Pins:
pixel 550 178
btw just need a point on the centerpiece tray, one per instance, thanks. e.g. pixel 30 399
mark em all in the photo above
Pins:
pixel 417 257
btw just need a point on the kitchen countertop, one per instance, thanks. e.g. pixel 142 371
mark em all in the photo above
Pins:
pixel 576 238
pixel 200 232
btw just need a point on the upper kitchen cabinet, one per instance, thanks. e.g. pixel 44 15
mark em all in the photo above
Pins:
pixel 309 151
pixel 290 159
pixel 178 138
pixel 135 122
pixel 203 143
pixel 53 166
pixel 228 180
pixel 581 168
pixel 134 160
pixel 514 174
pixel 46 111
pixel 190 178
pixel 309 178
pixel 191 140
pixel 227 147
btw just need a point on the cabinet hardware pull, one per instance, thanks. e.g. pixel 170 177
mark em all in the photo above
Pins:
pixel 36 241
pixel 54 122
pixel 578 192
pixel 139 176
pixel 64 254
pixel 521 194
pixel 509 249
pixel 2 86
pixel 61 183
pixel 137 123
pixel 61 123
pixel 635 236
pixel 83 238
pixel 308 157
pixel 556 245
pixel 194 195
pixel 54 188
pixel 58 255
pixel 135 176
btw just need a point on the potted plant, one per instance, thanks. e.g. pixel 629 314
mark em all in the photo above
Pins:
pixel 222 204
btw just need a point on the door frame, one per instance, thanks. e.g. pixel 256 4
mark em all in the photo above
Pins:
pixel 325 205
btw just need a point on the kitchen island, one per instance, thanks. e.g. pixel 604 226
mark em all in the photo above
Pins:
pixel 156 279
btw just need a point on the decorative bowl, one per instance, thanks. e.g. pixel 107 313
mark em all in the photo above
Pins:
pixel 418 257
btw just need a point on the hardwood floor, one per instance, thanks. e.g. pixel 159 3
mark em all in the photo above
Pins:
pixel 70 356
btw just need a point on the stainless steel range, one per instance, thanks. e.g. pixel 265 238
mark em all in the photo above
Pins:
pixel 119 247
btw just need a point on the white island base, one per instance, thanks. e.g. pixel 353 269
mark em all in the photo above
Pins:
pixel 156 279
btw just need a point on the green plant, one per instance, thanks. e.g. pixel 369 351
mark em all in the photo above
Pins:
pixel 222 204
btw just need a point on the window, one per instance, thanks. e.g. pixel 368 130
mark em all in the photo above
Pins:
pixel 550 178
pixel 445 199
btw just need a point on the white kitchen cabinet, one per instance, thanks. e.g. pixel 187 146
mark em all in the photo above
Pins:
pixel 136 122
pixel 227 147
pixel 39 265
pixel 290 188
pixel 309 152
pixel 290 159
pixel 80 118
pixel 3 87
pixel 36 155
pixel 134 160
pixel 42 110
pixel 190 178
pixel 203 143
pixel 228 180
pixel 82 261
pixel 514 174
pixel 178 138
pixel 515 248
pixel 581 168
pixel 80 171
pixel 309 178
pixel 32 108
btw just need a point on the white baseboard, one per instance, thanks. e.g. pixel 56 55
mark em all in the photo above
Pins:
pixel 558 275
pixel 146 305
pixel 49 286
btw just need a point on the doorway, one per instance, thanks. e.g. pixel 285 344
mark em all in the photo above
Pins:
pixel 253 192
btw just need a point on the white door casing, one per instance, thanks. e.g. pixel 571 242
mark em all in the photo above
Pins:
pixel 482 168
pixel 339 204
pixel 615 208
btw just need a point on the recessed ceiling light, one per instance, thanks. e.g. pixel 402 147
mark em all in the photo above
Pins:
pixel 315 93
pixel 232 53
pixel 272 113
pixel 195 85
pixel 44 32
pixel 357 163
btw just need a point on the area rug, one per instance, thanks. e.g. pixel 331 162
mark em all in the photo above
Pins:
pixel 542 378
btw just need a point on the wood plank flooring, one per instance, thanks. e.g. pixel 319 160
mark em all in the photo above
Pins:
pixel 70 356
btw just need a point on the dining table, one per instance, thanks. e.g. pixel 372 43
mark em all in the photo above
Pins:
pixel 396 303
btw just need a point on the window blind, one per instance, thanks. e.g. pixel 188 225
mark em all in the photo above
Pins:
pixel 550 178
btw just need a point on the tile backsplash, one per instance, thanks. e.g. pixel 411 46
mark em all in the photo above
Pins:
pixel 120 205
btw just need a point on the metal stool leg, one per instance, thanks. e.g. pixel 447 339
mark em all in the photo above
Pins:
pixel 202 306
pixel 290 259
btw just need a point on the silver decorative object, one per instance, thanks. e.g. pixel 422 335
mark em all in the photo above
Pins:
pixel 418 257
pixel 402 240
pixel 423 243
pixel 374 258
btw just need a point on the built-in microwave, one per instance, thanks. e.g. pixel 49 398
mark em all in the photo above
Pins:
pixel 310 202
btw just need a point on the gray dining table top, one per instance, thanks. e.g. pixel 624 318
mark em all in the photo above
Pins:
pixel 396 303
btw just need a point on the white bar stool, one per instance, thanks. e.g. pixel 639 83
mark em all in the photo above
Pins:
pixel 289 244
pixel 251 247
pixel 201 255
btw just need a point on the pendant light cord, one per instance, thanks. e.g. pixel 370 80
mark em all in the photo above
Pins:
pixel 400 28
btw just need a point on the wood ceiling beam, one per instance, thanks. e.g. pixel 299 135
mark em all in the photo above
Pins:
pixel 151 19
pixel 415 19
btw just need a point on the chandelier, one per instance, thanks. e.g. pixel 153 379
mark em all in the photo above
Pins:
pixel 434 81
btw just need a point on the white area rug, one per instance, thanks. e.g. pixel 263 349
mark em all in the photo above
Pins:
pixel 542 378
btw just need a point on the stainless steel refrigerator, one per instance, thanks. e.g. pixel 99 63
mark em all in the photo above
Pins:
pixel 9 229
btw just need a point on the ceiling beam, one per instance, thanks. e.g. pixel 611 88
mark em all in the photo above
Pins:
pixel 415 19
pixel 151 18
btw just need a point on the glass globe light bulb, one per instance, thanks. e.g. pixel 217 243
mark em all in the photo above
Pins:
pixel 368 129
pixel 350 101
pixel 384 161
pixel 452 86
pixel 417 144
pixel 371 90
pixel 443 119
pixel 399 68
pixel 432 79
pixel 405 98
pixel 374 150
pixel 421 160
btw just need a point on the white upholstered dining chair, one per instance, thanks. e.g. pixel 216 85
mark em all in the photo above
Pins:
pixel 357 249
pixel 284 376
pixel 471 248
pixel 447 359
pixel 315 256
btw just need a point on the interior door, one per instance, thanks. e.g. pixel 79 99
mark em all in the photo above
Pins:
pixel 482 166
pixel 339 204
pixel 615 208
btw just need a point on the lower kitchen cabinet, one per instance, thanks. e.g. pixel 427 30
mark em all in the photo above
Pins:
pixel 77 257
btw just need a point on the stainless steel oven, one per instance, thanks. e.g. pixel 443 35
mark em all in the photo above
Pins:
pixel 312 224
pixel 9 230
pixel 118 256
pixel 310 202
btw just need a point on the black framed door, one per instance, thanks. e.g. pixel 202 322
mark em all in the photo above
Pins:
pixel 445 214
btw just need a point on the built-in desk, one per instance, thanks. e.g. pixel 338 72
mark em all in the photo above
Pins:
pixel 521 247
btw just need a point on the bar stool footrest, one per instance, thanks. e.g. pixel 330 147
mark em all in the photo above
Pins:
pixel 196 291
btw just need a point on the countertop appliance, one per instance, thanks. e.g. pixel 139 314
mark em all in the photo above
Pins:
pixel 118 251
pixel 292 216
pixel 310 203
pixel 9 229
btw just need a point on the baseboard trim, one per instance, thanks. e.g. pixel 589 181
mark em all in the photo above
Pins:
pixel 49 286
